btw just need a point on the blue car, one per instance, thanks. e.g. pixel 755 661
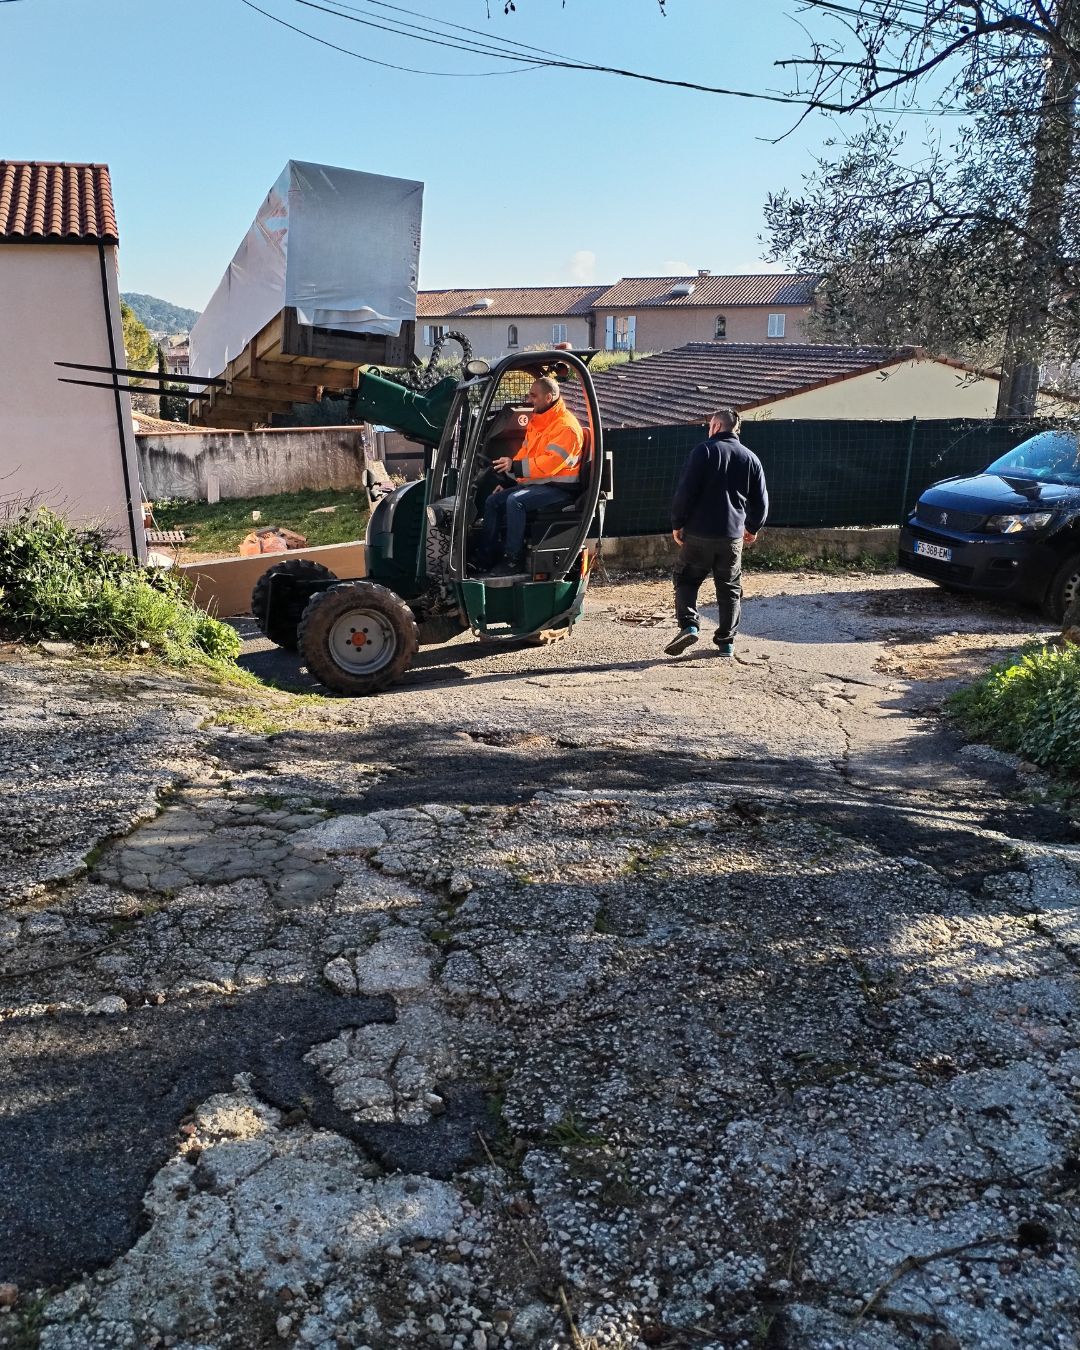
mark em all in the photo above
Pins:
pixel 1011 531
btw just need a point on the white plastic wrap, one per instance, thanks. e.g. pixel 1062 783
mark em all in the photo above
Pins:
pixel 340 247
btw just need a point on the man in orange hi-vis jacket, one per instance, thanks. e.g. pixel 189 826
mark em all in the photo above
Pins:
pixel 548 466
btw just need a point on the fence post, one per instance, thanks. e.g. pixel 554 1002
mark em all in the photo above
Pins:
pixel 907 470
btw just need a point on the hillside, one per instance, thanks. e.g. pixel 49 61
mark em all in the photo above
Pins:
pixel 159 315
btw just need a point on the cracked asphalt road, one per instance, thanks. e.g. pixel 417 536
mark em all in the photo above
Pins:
pixel 561 997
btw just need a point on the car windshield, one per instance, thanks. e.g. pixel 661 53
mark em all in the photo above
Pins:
pixel 1051 456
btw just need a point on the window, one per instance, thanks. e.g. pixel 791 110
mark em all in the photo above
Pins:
pixel 776 325
pixel 558 332
pixel 721 326
pixel 433 333
pixel 512 335
pixel 620 332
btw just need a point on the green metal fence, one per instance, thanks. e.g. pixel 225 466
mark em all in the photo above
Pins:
pixel 819 473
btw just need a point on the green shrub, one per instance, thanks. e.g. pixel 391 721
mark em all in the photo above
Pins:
pixel 1030 705
pixel 63 583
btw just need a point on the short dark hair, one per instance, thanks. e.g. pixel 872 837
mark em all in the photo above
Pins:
pixel 730 417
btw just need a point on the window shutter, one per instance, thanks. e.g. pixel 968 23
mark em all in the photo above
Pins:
pixel 609 333
pixel 631 330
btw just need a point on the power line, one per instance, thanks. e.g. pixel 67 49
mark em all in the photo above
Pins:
pixel 553 61
pixel 371 60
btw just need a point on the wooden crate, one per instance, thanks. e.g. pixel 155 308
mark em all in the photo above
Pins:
pixel 288 362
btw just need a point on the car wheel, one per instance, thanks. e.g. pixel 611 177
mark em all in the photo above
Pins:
pixel 1064 590
pixel 357 637
pixel 278 622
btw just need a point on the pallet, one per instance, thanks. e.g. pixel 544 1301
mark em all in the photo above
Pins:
pixel 288 362
pixel 166 537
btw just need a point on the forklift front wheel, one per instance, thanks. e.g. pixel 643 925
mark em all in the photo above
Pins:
pixel 357 637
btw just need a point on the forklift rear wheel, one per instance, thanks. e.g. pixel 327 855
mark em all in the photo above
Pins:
pixel 279 627
pixel 357 637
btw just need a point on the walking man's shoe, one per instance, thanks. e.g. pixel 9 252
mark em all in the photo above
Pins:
pixel 724 648
pixel 686 637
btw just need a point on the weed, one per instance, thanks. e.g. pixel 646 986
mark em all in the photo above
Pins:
pixel 23 1331
pixel 762 559
pixel 1029 705
pixel 602 923
pixel 58 582
pixel 570 1131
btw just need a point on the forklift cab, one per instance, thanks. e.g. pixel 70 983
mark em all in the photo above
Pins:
pixel 488 420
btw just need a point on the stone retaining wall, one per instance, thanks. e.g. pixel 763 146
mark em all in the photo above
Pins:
pixel 647 552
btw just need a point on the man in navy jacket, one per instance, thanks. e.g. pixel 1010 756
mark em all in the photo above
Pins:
pixel 720 503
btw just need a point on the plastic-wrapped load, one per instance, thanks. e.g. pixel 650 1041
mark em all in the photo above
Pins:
pixel 339 247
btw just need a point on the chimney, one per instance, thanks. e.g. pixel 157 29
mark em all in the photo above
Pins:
pixel 704 272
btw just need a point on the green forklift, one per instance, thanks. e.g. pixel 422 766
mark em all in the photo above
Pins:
pixel 360 635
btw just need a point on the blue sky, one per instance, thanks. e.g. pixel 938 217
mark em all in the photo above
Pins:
pixel 532 178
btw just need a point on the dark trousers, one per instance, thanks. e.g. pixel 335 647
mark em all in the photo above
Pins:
pixel 505 517
pixel 697 558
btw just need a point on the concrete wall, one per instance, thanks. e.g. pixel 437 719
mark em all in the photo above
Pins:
pixel 649 552
pixel 488 334
pixel 250 463
pixel 659 330
pixel 61 443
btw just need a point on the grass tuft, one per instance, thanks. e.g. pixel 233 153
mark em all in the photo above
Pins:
pixel 219 528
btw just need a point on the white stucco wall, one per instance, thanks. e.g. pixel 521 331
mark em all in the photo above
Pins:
pixel 923 389
pixel 59 443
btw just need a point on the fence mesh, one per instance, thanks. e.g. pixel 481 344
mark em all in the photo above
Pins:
pixel 820 473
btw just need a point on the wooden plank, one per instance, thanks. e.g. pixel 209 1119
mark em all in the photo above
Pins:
pixel 269 336
pixel 256 407
pixel 330 377
pixel 272 389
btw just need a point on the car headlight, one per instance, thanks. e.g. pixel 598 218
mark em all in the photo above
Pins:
pixel 1030 520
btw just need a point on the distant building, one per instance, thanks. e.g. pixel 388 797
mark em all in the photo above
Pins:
pixel 177 351
pixel 65 445
pixel 502 320
pixel 637 314
pixel 654 314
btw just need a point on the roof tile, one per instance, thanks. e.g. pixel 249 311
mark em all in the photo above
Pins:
pixel 56 204
pixel 657 292
pixel 513 302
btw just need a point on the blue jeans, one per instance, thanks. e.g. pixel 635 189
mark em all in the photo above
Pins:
pixel 505 512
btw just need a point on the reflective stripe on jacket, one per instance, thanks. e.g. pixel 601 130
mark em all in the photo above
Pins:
pixel 551 452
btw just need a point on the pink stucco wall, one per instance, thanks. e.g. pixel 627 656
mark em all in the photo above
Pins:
pixel 60 443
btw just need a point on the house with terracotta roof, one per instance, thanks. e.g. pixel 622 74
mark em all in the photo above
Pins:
pixel 502 320
pixel 684 386
pixel 637 314
pixel 654 314
pixel 67 446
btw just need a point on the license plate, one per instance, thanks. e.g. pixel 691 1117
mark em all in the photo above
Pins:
pixel 933 551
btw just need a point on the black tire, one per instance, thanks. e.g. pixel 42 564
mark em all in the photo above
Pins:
pixel 1063 590
pixel 280 627
pixel 339 624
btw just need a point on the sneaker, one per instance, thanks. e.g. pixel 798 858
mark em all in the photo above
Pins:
pixel 724 648
pixel 686 637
